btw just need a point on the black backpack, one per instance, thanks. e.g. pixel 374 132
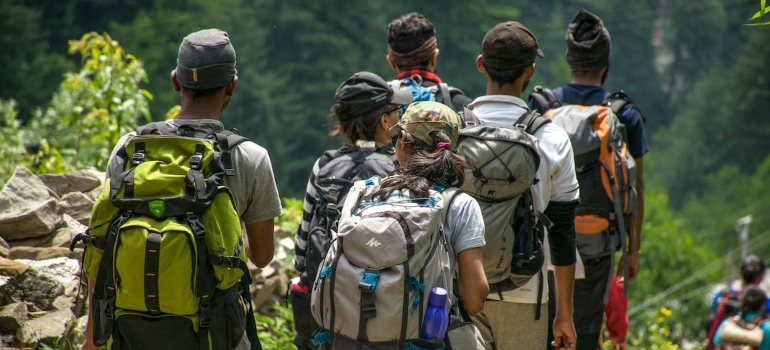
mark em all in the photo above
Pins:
pixel 337 171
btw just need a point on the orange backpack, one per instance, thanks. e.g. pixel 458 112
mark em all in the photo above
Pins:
pixel 606 173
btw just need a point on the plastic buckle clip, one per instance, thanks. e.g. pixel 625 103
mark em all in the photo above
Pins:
pixel 137 158
pixel 195 161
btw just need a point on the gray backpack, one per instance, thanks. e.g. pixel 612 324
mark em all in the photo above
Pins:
pixel 502 163
pixel 372 287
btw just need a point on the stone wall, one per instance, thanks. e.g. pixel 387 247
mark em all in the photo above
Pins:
pixel 41 296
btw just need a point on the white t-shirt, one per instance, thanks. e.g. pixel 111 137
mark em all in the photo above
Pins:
pixel 556 172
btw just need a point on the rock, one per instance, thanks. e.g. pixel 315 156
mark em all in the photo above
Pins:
pixel 33 287
pixel 4 248
pixel 74 181
pixel 29 210
pixel 61 269
pixel 45 329
pixel 78 332
pixel 62 237
pixel 12 268
pixel 12 316
pixel 78 206
pixel 36 253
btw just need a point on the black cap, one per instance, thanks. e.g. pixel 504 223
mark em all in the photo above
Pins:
pixel 509 45
pixel 366 91
pixel 588 42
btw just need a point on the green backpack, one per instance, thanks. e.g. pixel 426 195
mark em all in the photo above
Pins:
pixel 165 247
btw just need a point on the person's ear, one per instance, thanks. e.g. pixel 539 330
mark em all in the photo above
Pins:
pixel 530 71
pixel 480 64
pixel 175 82
pixel 230 88
pixel 433 60
pixel 392 64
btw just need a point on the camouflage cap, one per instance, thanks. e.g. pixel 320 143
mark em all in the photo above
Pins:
pixel 421 118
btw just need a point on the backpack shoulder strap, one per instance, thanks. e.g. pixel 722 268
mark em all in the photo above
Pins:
pixel 448 195
pixel 443 95
pixel 619 99
pixel 154 128
pixel 532 121
pixel 467 118
pixel 544 98
pixel 226 141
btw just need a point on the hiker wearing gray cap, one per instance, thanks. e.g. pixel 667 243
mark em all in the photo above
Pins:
pixel 364 109
pixel 222 162
pixel 588 54
pixel 513 316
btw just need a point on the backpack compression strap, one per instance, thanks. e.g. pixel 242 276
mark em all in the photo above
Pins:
pixel 545 98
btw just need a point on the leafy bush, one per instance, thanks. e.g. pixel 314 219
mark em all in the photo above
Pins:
pixel 86 116
pixel 276 332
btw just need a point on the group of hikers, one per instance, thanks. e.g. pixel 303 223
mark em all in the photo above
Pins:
pixel 739 311
pixel 443 222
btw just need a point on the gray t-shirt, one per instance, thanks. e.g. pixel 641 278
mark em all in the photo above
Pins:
pixel 253 185
pixel 464 227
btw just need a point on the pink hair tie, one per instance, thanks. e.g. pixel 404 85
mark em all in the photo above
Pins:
pixel 441 145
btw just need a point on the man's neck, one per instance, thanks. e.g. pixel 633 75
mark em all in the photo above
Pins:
pixel 586 79
pixel 493 88
pixel 199 109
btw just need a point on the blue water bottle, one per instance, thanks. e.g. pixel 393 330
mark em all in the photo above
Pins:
pixel 436 317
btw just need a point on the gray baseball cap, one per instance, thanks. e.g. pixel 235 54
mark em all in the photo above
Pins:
pixel 206 60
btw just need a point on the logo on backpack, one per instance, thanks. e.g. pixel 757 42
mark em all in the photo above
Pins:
pixel 373 243
pixel 157 207
pixel 164 245
pixel 502 165
pixel 373 293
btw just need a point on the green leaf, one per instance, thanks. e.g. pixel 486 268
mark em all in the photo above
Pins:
pixel 763 11
pixel 758 24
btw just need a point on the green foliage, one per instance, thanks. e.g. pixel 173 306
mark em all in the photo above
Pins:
pixel 292 214
pixel 31 71
pixel 676 273
pixel 276 331
pixel 654 332
pixel 12 138
pixel 93 108
pixel 763 10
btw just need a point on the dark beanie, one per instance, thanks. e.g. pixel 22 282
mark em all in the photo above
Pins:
pixel 206 60
pixel 588 42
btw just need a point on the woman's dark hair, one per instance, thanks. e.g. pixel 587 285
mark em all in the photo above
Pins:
pixel 752 269
pixel 409 32
pixel 427 166
pixel 752 300
pixel 355 127
pixel 507 76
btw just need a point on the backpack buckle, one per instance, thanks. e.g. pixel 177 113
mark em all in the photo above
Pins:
pixel 195 161
pixel 137 158
pixel 369 283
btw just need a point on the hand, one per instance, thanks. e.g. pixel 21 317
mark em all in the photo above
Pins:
pixel 564 335
pixel 618 345
pixel 633 265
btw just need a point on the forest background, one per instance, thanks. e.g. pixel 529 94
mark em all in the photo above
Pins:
pixel 698 73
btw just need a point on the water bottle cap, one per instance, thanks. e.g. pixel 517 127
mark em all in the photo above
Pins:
pixel 437 297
